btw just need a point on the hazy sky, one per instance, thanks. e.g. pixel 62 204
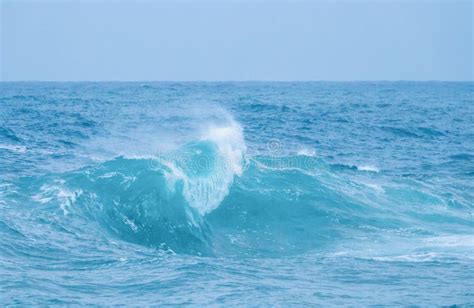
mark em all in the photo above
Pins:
pixel 236 40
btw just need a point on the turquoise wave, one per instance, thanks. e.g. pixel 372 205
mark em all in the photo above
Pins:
pixel 339 194
pixel 192 201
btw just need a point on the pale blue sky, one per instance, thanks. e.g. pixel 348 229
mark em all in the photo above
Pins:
pixel 236 40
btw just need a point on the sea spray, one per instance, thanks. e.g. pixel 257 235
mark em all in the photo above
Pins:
pixel 206 168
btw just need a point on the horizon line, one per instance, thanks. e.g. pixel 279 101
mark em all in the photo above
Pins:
pixel 237 81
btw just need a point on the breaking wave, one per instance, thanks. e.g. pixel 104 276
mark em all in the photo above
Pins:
pixel 208 197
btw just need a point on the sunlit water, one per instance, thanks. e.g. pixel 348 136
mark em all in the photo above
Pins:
pixel 237 193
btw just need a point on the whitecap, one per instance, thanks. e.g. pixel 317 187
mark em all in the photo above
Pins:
pixel 306 152
pixel 13 148
pixel 370 168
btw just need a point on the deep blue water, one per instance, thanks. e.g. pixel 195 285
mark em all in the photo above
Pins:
pixel 237 193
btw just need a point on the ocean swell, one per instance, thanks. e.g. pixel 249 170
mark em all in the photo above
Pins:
pixel 207 198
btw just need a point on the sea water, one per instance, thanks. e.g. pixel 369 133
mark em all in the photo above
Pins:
pixel 251 193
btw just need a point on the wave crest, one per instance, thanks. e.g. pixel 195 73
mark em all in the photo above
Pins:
pixel 205 170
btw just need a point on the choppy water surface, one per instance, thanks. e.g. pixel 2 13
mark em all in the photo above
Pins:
pixel 237 193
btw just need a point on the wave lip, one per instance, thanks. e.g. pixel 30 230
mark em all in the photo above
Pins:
pixel 205 170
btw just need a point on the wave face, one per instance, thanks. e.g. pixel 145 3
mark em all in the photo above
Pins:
pixel 149 194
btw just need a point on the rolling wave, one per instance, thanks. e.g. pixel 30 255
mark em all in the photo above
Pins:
pixel 209 197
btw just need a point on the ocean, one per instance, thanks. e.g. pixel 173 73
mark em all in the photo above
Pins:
pixel 237 193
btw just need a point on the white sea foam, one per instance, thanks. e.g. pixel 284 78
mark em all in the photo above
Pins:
pixel 230 141
pixel 13 148
pixel 125 179
pixel 205 192
pixel 306 152
pixel 417 257
pixel 57 191
pixel 369 168
pixel 451 241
